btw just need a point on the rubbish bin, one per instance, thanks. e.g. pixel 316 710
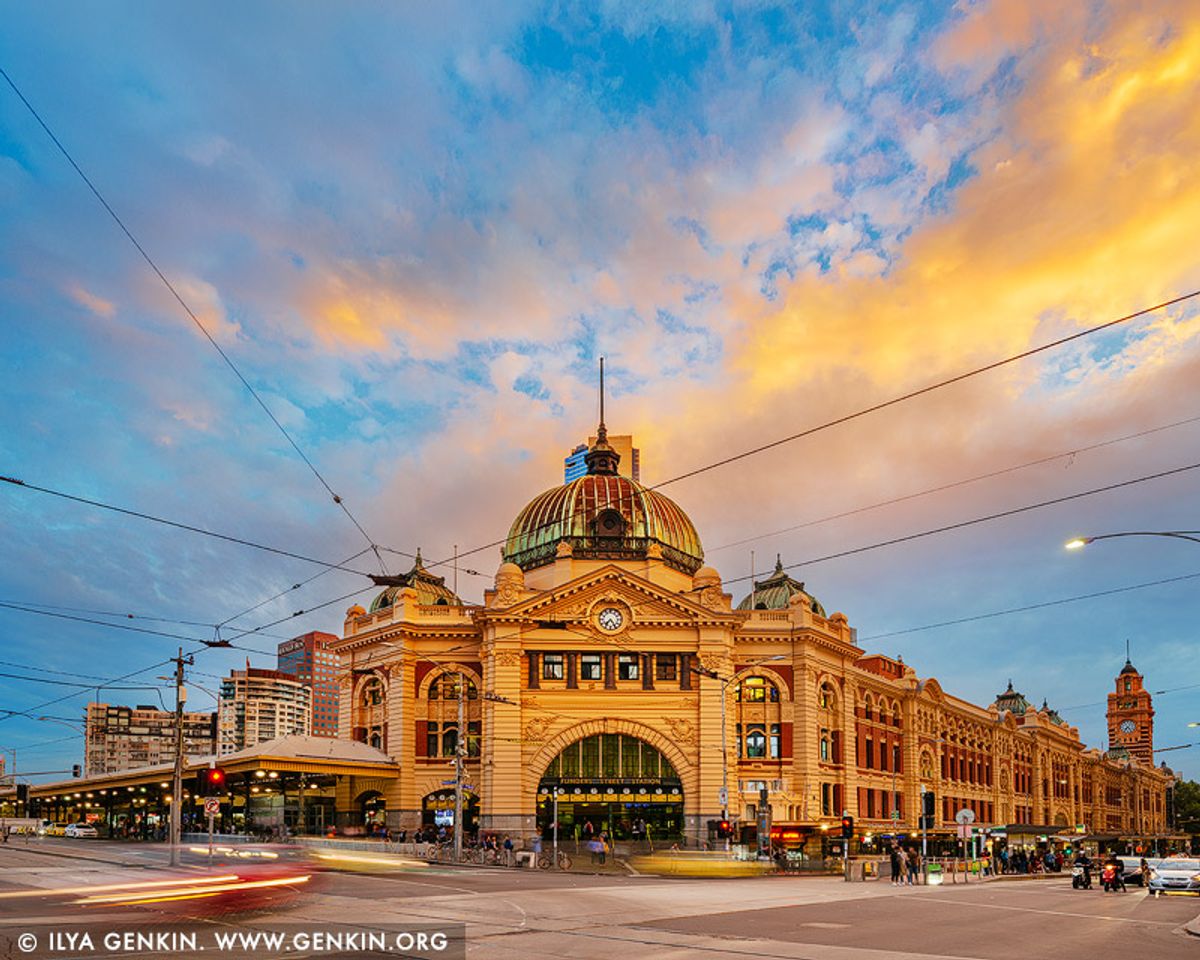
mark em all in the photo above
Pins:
pixel 933 874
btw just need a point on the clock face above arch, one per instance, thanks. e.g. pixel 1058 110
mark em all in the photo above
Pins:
pixel 610 619
pixel 1128 726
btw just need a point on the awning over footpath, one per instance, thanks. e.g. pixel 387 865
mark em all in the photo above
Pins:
pixel 291 754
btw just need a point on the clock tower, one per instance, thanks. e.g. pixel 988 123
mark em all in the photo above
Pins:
pixel 1131 716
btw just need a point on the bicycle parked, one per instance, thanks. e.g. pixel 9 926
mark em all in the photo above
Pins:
pixel 547 860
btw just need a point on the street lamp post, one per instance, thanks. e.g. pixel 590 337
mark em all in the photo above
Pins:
pixel 1078 543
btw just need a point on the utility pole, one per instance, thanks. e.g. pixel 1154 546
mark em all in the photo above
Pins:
pixel 177 780
pixel 460 747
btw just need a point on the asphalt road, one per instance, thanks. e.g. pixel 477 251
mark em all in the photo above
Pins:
pixel 518 914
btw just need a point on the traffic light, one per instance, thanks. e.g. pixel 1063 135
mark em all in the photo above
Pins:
pixel 22 793
pixel 847 827
pixel 214 780
pixel 75 771
pixel 724 829
pixel 928 810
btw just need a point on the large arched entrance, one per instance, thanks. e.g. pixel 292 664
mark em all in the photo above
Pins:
pixel 617 783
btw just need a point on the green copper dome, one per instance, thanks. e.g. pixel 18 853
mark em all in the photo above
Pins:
pixel 603 516
pixel 776 592
pixel 431 590
pixel 1012 701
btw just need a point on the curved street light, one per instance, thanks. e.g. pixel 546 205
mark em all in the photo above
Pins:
pixel 1078 543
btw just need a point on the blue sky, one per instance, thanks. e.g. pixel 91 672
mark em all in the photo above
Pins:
pixel 415 230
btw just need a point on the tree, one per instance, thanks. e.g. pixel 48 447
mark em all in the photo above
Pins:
pixel 1187 806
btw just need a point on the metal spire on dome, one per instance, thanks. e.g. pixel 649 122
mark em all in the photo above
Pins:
pixel 601 458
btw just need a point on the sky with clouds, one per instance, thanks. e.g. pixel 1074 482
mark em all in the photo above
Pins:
pixel 415 229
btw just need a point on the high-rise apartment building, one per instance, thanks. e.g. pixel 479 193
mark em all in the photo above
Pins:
pixel 630 465
pixel 125 738
pixel 258 705
pixel 309 660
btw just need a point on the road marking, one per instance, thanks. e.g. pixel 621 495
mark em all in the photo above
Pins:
pixel 1056 913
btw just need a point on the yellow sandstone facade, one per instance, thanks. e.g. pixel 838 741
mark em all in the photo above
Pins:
pixel 608 665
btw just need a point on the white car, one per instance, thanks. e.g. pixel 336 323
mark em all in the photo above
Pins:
pixel 81 830
pixel 1175 876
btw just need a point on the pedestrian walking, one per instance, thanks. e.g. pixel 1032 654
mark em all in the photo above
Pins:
pixel 914 866
pixel 897 862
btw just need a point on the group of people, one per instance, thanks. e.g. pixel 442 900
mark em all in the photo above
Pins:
pixel 906 865
pixel 596 842
pixel 1024 861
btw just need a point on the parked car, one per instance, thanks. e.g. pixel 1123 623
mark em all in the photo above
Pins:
pixel 81 830
pixel 1175 876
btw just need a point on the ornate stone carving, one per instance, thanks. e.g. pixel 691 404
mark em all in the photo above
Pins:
pixel 717 662
pixel 713 599
pixel 507 658
pixel 507 593
pixel 680 730
pixel 536 728
pixel 529 703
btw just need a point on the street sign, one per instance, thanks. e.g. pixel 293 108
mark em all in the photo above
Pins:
pixel 212 806
pixel 723 797
pixel 964 831
pixel 965 815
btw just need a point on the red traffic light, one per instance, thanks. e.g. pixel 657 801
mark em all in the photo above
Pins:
pixel 214 777
pixel 847 827
pixel 724 829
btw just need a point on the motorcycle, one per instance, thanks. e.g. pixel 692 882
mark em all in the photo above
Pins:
pixel 1081 877
pixel 1111 877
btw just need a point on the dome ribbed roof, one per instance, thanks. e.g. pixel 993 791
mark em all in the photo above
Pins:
pixel 776 592
pixel 431 589
pixel 604 516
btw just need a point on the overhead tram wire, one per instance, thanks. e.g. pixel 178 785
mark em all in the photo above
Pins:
pixel 957 483
pixel 15 482
pixel 885 404
pixel 975 618
pixel 337 499
pixel 976 520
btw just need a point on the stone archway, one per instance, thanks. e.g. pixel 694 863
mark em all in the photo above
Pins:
pixel 611 783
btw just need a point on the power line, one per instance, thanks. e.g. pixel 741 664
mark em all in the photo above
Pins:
pixel 195 319
pixel 984 519
pixel 883 405
pixel 1031 606
pixel 954 484
pixel 13 481
pixel 292 588
pixel 103 623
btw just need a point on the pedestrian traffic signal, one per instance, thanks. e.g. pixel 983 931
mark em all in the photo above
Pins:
pixel 214 779
pixel 847 827
pixel 724 829
pixel 928 804
pixel 75 771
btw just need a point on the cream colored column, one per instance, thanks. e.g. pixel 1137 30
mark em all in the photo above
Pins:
pixel 506 807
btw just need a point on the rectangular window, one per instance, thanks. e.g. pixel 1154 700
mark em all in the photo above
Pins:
pixel 869 760
pixel 826 800
pixel 610 755
pixel 665 666
pixel 870 804
pixel 896 758
pixel 591 667
pixel 552 666
pixel 825 745
pixel 627 666
pixel 431 741
pixel 472 738
pixel 774 742
pixel 590 766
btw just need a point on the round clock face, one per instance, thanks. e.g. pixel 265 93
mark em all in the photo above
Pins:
pixel 610 619
pixel 1128 726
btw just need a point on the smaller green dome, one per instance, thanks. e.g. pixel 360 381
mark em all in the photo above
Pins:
pixel 431 590
pixel 776 592
pixel 1012 701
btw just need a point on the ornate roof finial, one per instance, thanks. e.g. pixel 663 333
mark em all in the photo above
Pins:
pixel 1010 689
pixel 779 563
pixel 417 562
pixel 601 458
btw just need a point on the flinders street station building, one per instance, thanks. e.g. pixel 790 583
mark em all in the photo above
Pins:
pixel 609 670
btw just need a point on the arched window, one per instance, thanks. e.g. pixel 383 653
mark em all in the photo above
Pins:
pixel 757 690
pixel 445 687
pixel 756 742
pixel 372 692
